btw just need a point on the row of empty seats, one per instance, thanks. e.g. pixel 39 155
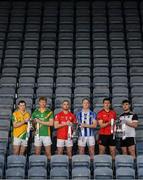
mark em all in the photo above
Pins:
pixel 81 167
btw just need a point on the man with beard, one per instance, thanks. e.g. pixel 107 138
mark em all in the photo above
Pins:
pixel 130 121
pixel 63 121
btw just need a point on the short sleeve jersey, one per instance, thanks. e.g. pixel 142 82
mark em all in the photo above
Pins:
pixel 129 117
pixel 87 118
pixel 106 117
pixel 45 116
pixel 20 132
pixel 62 133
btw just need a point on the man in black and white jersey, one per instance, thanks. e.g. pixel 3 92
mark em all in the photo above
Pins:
pixel 129 121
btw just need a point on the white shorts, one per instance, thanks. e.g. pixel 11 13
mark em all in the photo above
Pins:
pixel 45 140
pixel 62 143
pixel 19 142
pixel 90 141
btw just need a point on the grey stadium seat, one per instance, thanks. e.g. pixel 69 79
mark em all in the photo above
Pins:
pixel 59 161
pixel 103 173
pixel 10 72
pixel 59 173
pixel 82 92
pixel 136 81
pixel 136 71
pixel 37 173
pixel 46 71
pixel 81 173
pixel 2 162
pixel 101 81
pixel 6 102
pixel 45 82
pixel 82 71
pixel 38 161
pixel 64 81
pixel 101 91
pixel 125 173
pixel 140 173
pixel 8 82
pixel 116 71
pixel 4 125
pixel 80 81
pixel 5 113
pixel 124 161
pixel 63 91
pixel 136 91
pixel 83 62
pixel 101 71
pixel 15 161
pixel 139 162
pixel 119 81
pixel 120 91
pixel 80 161
pixel 29 62
pixel 102 161
pixel 119 62
pixel 4 136
pixel 15 173
pixel 27 82
pixel 64 71
pixel 27 92
pixel 44 91
pixel 28 72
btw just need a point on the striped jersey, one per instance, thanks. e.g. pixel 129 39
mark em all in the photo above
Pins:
pixel 87 118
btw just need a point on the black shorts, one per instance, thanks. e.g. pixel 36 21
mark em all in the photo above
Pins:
pixel 129 141
pixel 107 140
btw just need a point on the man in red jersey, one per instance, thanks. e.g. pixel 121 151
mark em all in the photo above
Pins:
pixel 105 116
pixel 62 122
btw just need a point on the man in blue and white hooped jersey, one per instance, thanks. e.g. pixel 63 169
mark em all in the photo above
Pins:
pixel 87 120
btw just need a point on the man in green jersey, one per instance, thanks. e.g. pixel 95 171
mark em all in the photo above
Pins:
pixel 42 119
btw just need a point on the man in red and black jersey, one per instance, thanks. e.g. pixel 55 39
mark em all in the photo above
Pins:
pixel 105 116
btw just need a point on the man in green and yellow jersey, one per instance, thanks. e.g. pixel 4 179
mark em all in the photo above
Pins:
pixel 19 120
pixel 43 119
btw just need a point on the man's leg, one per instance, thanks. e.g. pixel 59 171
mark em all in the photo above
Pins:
pixel 81 145
pixel 16 146
pixel 112 151
pixel 69 152
pixel 48 151
pixel 91 145
pixel 101 149
pixel 81 150
pixel 23 147
pixel 37 150
pixel 132 151
pixel 22 150
pixel 60 146
pixel 16 149
pixel 124 150
pixel 91 152
pixel 38 145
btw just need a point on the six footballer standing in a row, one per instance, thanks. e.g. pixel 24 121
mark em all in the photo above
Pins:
pixel 43 119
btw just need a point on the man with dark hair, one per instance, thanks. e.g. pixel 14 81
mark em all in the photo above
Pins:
pixel 87 120
pixel 43 119
pixel 129 121
pixel 63 121
pixel 106 118
pixel 20 119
